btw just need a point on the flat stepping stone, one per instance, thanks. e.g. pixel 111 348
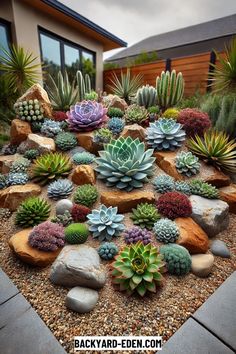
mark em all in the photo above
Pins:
pixel 8 289
pixel 81 299
pixel 202 264
pixel 12 309
pixel 219 248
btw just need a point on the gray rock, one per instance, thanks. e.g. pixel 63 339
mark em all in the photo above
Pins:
pixel 211 214
pixel 202 264
pixel 63 205
pixel 78 265
pixel 81 299
pixel 219 248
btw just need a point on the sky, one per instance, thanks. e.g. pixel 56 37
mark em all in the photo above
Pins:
pixel 134 20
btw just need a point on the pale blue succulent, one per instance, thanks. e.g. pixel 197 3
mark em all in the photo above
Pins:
pixel 20 166
pixel 183 187
pixel 83 158
pixel 187 164
pixel 116 125
pixel 17 178
pixel 164 183
pixel 50 128
pixel 166 230
pixel 60 189
pixel 105 223
pixel 165 134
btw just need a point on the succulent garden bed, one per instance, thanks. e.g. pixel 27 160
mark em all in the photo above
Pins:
pixel 114 212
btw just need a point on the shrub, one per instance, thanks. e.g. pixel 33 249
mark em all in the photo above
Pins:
pixel 170 89
pixel 76 233
pixel 86 195
pixel 105 223
pixel 83 158
pixel 32 211
pixel 60 189
pixel 63 219
pixel 115 112
pixel 174 204
pixel 136 234
pixel 30 111
pixel 177 258
pixel 164 183
pixel 187 164
pixel 203 189
pixel 50 128
pixel 116 125
pixel 65 141
pixel 171 113
pixel 145 215
pixel 135 114
pixel 137 268
pixel 194 121
pixel 31 154
pixel 80 212
pixel 107 250
pixel 47 237
pixel 166 231
pixel 146 96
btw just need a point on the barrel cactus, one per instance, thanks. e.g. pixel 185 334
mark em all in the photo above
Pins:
pixel 30 110
pixel 187 164
pixel 136 234
pixel 165 134
pixel 17 178
pixel 164 183
pixel 166 231
pixel 177 258
pixel 203 189
pixel 50 128
pixel 107 250
pixel 135 114
pixel 86 195
pixel 146 96
pixel 125 164
pixel 105 223
pixel 32 211
pixel 76 233
pixel 60 189
pixel 83 158
pixel 65 141
pixel 170 89
pixel 145 215
pixel 116 125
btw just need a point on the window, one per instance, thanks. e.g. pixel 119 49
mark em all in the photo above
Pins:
pixel 60 54
pixel 4 36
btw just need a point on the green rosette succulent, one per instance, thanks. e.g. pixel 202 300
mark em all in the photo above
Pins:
pixel 135 114
pixel 164 183
pixel 86 195
pixel 203 189
pixel 187 164
pixel 145 215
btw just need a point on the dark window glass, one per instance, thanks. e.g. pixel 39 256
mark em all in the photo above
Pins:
pixel 88 66
pixel 72 61
pixel 3 38
pixel 51 55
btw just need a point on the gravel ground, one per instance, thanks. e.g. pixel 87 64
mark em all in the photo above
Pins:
pixel 115 314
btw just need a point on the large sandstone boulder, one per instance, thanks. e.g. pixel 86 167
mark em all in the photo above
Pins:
pixel 228 194
pixel 81 299
pixel 7 161
pixel 41 143
pixel 134 131
pixel 86 141
pixel 37 92
pixel 83 174
pixel 192 236
pixel 13 196
pixel 19 131
pixel 211 214
pixel 115 101
pixel 202 264
pixel 125 201
pixel 78 265
pixel 20 246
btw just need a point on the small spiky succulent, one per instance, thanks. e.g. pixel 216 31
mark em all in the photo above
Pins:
pixel 187 164
pixel 60 189
pixel 115 112
pixel 63 219
pixel 105 223
pixel 171 113
pixel 203 189
pixel 3 181
pixel 65 141
pixel 47 237
pixel 17 178
pixel 102 136
pixel 165 134
pixel 31 154
pixel 177 258
pixel 173 205
pixel 107 250
pixel 86 195
pixel 138 268
pixel 116 125
pixel 76 233
pixel 182 187
pixel 91 96
pixel 166 231
pixel 164 183
pixel 9 149
pixel 145 215
pixel 135 114
pixel 51 166
pixel 50 128
pixel 136 234
pixel 20 166
pixel 30 110
pixel 83 158
pixel 36 126
pixel 32 211
pixel 79 212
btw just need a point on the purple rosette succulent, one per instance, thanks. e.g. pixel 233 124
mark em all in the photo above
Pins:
pixel 86 116
pixel 136 234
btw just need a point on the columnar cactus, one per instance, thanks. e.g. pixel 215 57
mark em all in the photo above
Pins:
pixel 170 89
pixel 146 96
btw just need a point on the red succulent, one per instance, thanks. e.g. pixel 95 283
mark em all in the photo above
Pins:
pixel 59 116
pixel 194 121
pixel 79 212
pixel 173 205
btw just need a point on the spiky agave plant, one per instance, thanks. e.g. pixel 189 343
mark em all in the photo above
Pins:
pixel 216 149
pixel 138 268
pixel 32 211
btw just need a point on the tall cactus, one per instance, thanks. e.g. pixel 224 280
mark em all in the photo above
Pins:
pixel 146 96
pixel 170 89
pixel 87 84
pixel 81 85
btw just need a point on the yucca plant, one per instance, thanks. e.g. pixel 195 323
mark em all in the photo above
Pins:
pixel 20 68
pixel 62 93
pixel 125 86
pixel 216 149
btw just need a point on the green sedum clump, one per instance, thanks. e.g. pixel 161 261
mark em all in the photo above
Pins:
pixel 177 258
pixel 145 215
pixel 102 136
pixel 76 233
pixel 135 114
pixel 86 195
pixel 115 112
pixel 65 141
pixel 203 189
pixel 32 211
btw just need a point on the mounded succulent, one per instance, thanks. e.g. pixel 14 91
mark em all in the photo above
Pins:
pixel 182 187
pixel 9 149
pixel 76 233
pixel 80 212
pixel 36 126
pixel 164 183
pixel 86 195
pixel 146 96
pixel 136 234
pixel 153 111
pixel 50 128
pixel 171 113
pixel 83 158
pixel 125 164
pixel 63 219
pixel 166 230
pixel 107 250
pixel 138 268
pixel 65 141
pixel 135 114
pixel 165 134
pixel 30 110
pixel 177 258
pixel 173 205
pixel 105 223
pixel 102 136
pixel 32 211
pixel 170 88
pixel 31 154
pixel 86 116
pixel 47 237
pixel 60 189
pixel 17 178
pixel 51 166
pixel 3 181
pixel 187 164
pixel 20 165
pixel 91 96
pixel 115 112
pixel 145 215
pixel 59 116
pixel 216 149
pixel 194 121
pixel 203 189
pixel 116 125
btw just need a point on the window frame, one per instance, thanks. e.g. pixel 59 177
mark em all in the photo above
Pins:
pixel 7 26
